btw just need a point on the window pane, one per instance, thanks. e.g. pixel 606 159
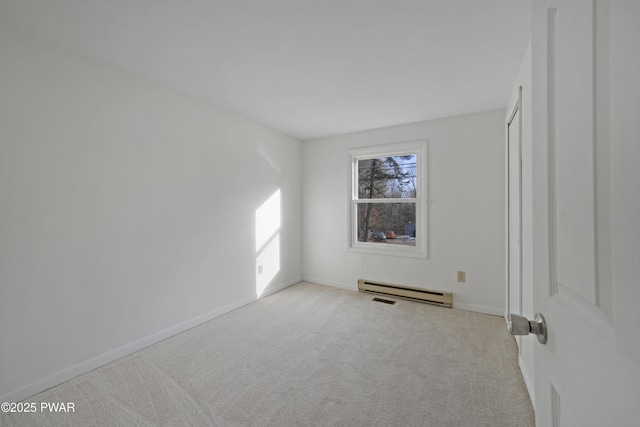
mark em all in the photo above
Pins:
pixel 390 223
pixel 387 177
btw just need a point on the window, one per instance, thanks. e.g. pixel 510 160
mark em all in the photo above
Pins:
pixel 388 215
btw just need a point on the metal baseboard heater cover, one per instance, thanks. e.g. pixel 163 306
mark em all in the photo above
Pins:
pixel 444 299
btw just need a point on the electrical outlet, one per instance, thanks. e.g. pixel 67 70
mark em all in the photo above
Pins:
pixel 260 269
pixel 461 276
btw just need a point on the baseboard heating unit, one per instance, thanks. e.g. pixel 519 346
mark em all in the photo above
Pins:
pixel 444 299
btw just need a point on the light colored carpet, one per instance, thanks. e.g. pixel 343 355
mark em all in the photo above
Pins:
pixel 309 355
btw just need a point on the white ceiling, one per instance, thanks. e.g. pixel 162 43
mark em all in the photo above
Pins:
pixel 308 68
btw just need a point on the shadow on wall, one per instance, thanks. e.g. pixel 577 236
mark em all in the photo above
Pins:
pixel 267 242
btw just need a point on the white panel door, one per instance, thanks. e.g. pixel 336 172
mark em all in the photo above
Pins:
pixel 586 211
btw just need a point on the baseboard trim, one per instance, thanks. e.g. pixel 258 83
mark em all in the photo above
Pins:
pixel 477 308
pixel 459 305
pixel 59 377
pixel 277 288
pixel 349 287
pixel 527 381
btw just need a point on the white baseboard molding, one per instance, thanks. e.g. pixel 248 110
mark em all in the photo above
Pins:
pixel 278 287
pixel 461 306
pixel 477 308
pixel 349 287
pixel 59 377
pixel 528 381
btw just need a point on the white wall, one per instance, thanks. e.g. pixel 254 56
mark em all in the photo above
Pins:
pixel 466 216
pixel 526 344
pixel 127 213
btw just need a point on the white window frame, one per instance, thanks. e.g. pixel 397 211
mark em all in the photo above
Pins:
pixel 419 149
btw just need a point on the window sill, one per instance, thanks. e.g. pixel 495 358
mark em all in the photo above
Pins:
pixel 388 250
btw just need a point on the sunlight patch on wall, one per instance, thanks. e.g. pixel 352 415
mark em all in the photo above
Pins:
pixel 267 220
pixel 267 264
pixel 267 242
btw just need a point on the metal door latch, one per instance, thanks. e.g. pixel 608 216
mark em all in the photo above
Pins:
pixel 519 325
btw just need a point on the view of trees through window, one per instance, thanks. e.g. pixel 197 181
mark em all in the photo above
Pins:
pixel 386 201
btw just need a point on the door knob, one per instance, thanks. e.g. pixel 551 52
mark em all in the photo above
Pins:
pixel 519 325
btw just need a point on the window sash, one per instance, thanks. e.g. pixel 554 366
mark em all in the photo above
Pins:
pixel 381 158
pixel 389 200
